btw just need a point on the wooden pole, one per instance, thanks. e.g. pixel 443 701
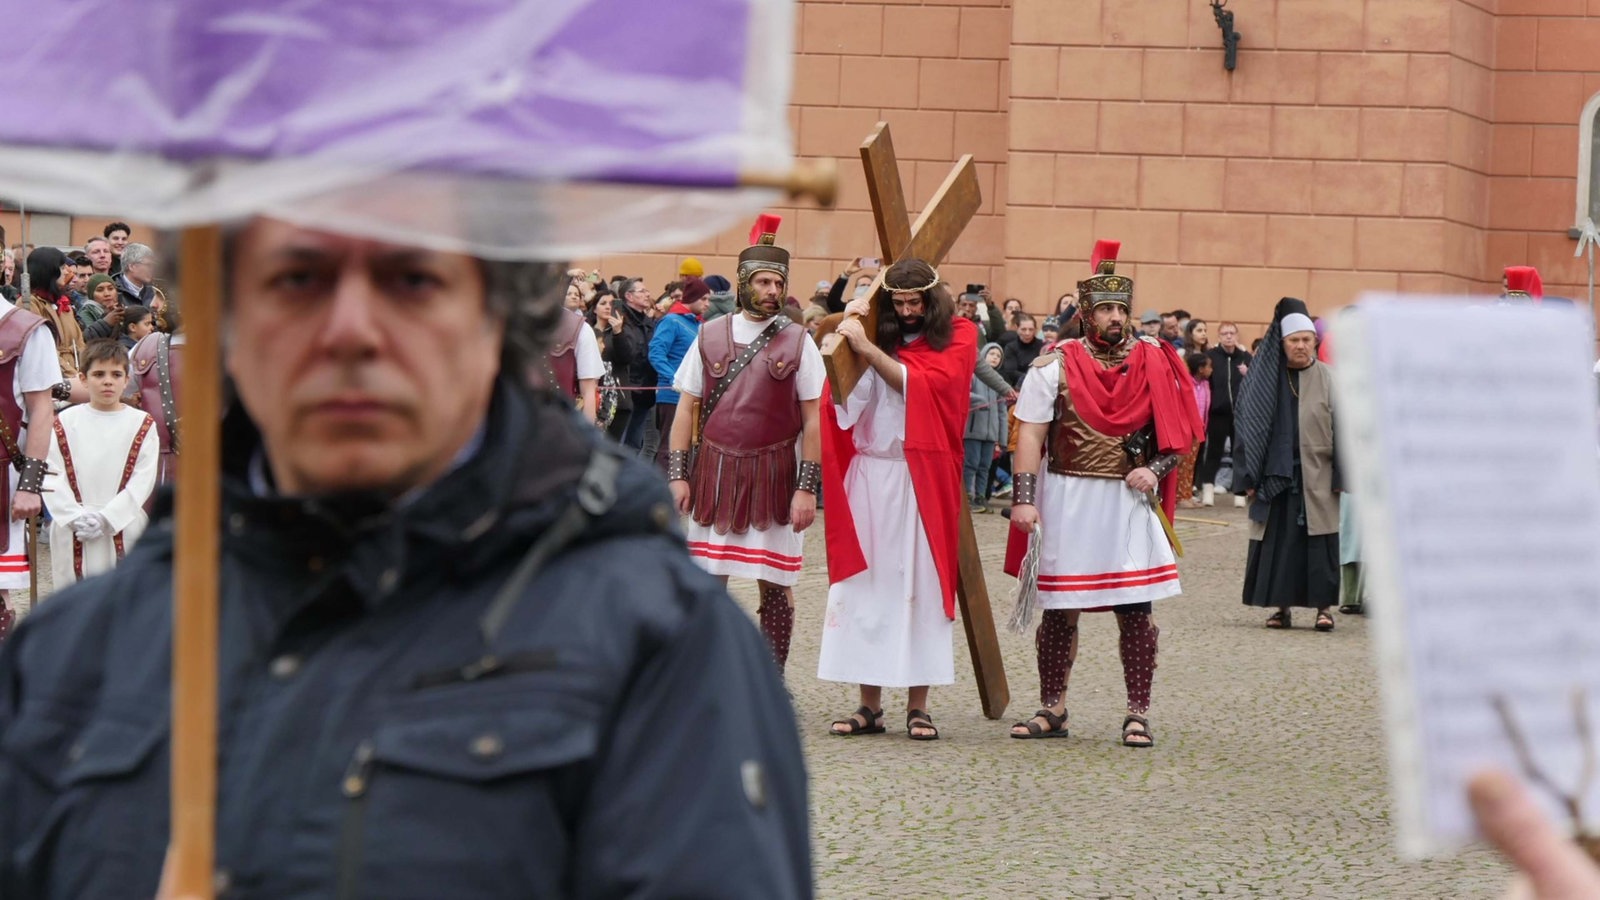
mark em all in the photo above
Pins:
pixel 977 618
pixel 192 852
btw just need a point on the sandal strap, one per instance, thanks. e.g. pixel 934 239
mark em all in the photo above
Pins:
pixel 1140 720
pixel 865 713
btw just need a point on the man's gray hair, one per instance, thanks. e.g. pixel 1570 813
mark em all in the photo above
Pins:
pixel 133 254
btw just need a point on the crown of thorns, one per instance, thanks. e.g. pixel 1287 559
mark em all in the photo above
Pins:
pixel 894 289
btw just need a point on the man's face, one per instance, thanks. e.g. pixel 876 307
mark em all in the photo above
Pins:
pixel 1027 330
pixel 1229 336
pixel 142 271
pixel 80 277
pixel 99 253
pixel 366 366
pixel 769 291
pixel 700 306
pixel 911 310
pixel 105 381
pixel 118 239
pixel 1300 349
pixel 1152 328
pixel 967 306
pixel 1111 320
pixel 1169 327
pixel 863 284
pixel 638 297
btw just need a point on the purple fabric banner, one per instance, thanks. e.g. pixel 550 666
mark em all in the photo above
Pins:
pixel 624 88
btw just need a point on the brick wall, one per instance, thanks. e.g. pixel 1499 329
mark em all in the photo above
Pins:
pixel 939 73
pixel 1547 57
pixel 1348 151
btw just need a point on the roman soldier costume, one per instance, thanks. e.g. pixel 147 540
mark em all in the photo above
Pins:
pixel 1113 403
pixel 157 363
pixel 561 362
pixel 752 374
pixel 19 375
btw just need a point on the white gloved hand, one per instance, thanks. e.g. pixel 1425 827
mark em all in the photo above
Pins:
pixel 90 526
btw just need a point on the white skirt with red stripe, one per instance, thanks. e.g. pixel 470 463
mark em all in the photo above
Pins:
pixel 772 555
pixel 1102 545
pixel 14 562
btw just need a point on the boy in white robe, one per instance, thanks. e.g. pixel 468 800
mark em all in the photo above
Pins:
pixel 103 462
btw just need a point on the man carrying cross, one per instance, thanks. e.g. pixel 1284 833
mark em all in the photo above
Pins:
pixel 749 388
pixel 892 462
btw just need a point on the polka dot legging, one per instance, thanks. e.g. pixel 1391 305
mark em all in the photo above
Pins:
pixel 1057 644
pixel 776 615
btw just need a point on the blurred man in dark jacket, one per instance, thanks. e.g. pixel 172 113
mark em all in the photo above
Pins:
pixel 436 679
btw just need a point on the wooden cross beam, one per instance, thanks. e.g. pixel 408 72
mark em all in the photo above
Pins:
pixel 929 239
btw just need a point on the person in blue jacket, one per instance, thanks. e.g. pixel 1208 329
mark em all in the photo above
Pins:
pixel 463 652
pixel 674 335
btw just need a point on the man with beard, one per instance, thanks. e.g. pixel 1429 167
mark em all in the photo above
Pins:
pixel 1229 363
pixel 749 391
pixel 463 651
pixel 1286 464
pixel 892 458
pixel 1106 419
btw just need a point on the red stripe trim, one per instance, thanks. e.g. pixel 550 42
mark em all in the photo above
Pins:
pixel 750 551
pixel 753 560
pixel 1111 576
pixel 1111 586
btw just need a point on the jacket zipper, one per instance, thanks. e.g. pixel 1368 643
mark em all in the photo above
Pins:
pixel 357 777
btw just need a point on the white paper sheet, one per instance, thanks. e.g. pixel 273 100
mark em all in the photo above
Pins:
pixel 1469 434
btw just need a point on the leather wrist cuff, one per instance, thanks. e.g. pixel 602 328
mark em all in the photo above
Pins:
pixel 678 465
pixel 32 477
pixel 1164 464
pixel 810 479
pixel 62 391
pixel 1024 488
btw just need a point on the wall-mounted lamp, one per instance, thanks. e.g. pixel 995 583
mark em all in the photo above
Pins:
pixel 1230 38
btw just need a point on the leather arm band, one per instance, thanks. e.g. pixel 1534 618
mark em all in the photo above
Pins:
pixel 32 477
pixel 810 479
pixel 678 465
pixel 62 391
pixel 1024 489
pixel 1161 465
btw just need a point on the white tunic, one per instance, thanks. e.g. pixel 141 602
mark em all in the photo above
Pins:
pixel 100 444
pixel 38 370
pixel 885 626
pixel 591 365
pixel 772 554
pixel 1102 544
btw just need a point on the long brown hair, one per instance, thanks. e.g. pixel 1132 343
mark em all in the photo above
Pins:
pixel 939 310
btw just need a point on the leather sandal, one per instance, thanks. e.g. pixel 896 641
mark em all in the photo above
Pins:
pixel 916 718
pixel 1146 733
pixel 1058 726
pixel 1279 619
pixel 873 724
pixel 1324 621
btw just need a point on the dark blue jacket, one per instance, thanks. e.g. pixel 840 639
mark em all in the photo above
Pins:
pixel 633 737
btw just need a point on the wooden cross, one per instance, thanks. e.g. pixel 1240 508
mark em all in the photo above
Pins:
pixel 929 239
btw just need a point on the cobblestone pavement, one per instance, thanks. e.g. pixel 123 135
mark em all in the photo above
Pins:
pixel 1268 778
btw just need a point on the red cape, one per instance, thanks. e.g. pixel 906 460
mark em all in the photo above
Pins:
pixel 937 400
pixel 1153 383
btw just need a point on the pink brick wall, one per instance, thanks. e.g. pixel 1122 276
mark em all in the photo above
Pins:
pixel 939 73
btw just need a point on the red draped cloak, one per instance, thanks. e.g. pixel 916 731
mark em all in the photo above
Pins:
pixel 937 393
pixel 1152 383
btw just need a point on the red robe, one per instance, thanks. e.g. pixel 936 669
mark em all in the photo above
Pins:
pixel 937 400
pixel 1152 383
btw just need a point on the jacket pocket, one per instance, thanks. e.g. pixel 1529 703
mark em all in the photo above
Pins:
pixel 108 804
pixel 464 803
